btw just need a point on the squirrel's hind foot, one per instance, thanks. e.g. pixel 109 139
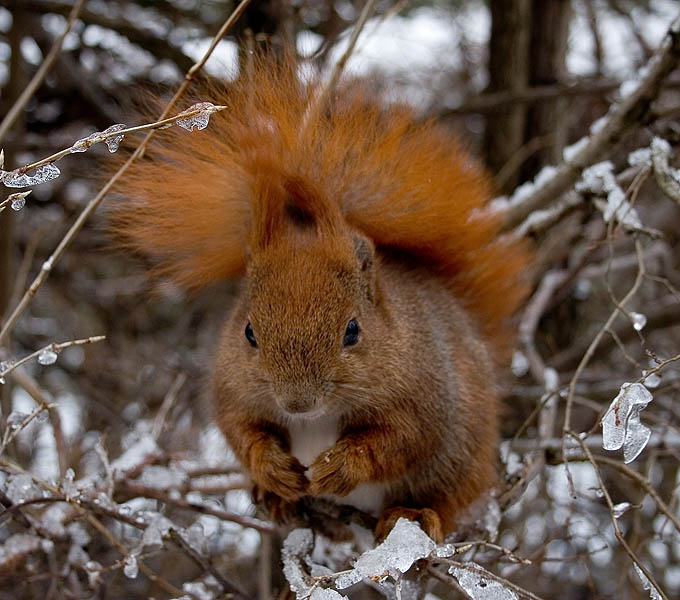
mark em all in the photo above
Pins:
pixel 427 518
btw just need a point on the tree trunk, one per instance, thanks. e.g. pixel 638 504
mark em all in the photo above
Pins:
pixel 546 120
pixel 508 70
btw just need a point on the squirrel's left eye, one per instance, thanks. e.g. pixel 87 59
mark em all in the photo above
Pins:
pixel 250 336
pixel 351 334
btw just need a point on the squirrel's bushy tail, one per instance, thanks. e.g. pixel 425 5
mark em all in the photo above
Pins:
pixel 407 185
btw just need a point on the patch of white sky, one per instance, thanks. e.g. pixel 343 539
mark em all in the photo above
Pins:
pixel 429 40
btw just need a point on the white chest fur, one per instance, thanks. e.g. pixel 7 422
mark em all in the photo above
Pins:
pixel 310 437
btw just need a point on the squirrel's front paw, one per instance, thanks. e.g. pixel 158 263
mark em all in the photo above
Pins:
pixel 334 471
pixel 281 474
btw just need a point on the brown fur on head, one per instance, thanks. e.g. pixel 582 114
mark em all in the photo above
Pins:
pixel 308 277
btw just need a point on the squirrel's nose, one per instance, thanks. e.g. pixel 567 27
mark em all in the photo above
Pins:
pixel 298 405
pixel 296 399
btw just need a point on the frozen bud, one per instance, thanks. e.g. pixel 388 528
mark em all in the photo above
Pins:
pixel 113 143
pixel 68 485
pixel 47 357
pixel 130 567
pixel 552 379
pixel 520 364
pixel 198 120
pixel 18 200
pixel 445 551
pixel 582 289
pixel 81 145
pixel 18 179
pixel 94 572
pixel 621 508
pixel 639 320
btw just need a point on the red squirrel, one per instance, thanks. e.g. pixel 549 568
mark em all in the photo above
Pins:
pixel 359 361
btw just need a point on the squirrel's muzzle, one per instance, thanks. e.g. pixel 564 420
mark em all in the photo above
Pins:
pixel 297 400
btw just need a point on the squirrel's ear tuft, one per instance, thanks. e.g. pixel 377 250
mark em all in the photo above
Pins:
pixel 365 253
pixel 304 205
pixel 363 247
pixel 286 204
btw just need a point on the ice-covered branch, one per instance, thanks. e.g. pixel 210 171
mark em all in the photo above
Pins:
pixel 636 96
pixel 195 116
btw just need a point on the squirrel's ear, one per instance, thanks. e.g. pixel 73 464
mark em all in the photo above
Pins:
pixel 285 203
pixel 365 252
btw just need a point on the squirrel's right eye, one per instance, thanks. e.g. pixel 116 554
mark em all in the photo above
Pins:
pixel 250 336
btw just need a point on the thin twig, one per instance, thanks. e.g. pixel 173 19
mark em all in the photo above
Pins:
pixel 615 522
pixel 135 489
pixel 101 136
pixel 591 350
pixel 42 398
pixel 228 587
pixel 168 401
pixel 366 12
pixel 96 201
pixel 9 366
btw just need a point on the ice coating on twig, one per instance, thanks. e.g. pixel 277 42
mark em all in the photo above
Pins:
pixel 163 478
pixel 17 179
pixel 83 144
pixel 320 594
pixel 130 567
pixel 20 488
pixel 621 508
pixel 404 545
pixel 652 380
pixel 114 142
pixel 157 528
pixel 18 201
pixel 639 320
pixel 621 426
pixel 646 584
pixel 136 455
pixel 479 583
pixel 200 120
pixel 47 357
pixel 17 545
pixel 600 179
pixel 520 364
pixel 299 543
pixel 16 418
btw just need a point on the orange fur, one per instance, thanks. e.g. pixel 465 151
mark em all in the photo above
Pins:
pixel 405 184
pixel 356 213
